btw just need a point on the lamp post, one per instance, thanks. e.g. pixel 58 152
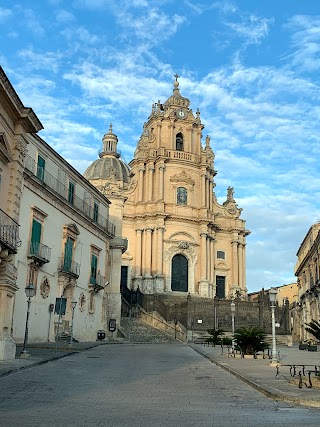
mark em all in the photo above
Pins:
pixel 272 297
pixel 233 310
pixel 73 306
pixel 29 293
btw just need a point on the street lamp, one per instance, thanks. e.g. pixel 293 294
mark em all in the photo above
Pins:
pixel 272 297
pixel 73 306
pixel 30 290
pixel 233 310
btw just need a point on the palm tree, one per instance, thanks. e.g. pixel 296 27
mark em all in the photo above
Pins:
pixel 314 329
pixel 216 336
pixel 250 340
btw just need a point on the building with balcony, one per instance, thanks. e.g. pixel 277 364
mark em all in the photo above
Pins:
pixel 180 239
pixel 16 123
pixel 307 270
pixel 56 233
pixel 66 248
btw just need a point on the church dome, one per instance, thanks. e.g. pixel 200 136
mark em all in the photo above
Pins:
pixel 109 167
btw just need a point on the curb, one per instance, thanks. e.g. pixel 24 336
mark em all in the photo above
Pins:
pixel 41 362
pixel 267 391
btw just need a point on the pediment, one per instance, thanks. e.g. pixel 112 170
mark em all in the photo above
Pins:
pixel 72 228
pixel 182 236
pixel 182 177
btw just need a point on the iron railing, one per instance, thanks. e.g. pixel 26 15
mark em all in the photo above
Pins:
pixel 9 232
pixel 63 191
pixel 39 251
pixel 69 267
pixel 98 281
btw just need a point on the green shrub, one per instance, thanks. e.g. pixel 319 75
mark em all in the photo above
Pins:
pixel 314 329
pixel 250 340
pixel 216 336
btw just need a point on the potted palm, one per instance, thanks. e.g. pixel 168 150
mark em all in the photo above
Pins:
pixel 216 336
pixel 314 329
pixel 250 340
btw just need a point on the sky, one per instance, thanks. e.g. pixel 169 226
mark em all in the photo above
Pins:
pixel 251 67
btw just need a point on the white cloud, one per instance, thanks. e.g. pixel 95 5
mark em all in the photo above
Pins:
pixel 305 42
pixel 63 16
pixel 4 14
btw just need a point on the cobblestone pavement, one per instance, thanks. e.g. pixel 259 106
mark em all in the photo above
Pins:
pixel 140 385
pixel 262 376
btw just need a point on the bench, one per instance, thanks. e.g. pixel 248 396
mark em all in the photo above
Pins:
pixel 300 371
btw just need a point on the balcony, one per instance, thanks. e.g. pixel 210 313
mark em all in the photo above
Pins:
pixel 97 283
pixel 69 268
pixel 40 253
pixel 9 233
pixel 62 191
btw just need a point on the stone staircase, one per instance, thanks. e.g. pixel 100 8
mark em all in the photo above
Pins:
pixel 140 332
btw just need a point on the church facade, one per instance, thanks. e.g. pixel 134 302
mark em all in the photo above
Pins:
pixel 180 239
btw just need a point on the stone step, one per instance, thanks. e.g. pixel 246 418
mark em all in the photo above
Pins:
pixel 139 331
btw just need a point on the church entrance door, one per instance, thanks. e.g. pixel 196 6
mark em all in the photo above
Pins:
pixel 179 275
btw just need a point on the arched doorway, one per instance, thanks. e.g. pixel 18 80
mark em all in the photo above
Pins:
pixel 179 273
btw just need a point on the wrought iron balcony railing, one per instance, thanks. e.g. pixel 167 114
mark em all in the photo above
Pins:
pixel 67 266
pixel 40 253
pixel 9 232
pixel 58 187
pixel 98 282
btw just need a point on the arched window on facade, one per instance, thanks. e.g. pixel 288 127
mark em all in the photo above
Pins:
pixel 182 196
pixel 179 142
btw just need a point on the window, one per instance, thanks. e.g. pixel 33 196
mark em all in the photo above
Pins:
pixel 93 269
pixel 95 212
pixel 71 192
pixel 179 142
pixel 68 255
pixel 182 196
pixel 40 168
pixel 35 237
pixel 221 255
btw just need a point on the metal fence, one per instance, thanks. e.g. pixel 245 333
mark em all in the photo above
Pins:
pixel 201 314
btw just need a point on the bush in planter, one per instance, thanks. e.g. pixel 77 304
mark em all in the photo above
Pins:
pixel 216 336
pixel 314 329
pixel 226 341
pixel 250 340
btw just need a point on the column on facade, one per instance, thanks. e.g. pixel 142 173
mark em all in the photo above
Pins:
pixel 203 251
pixel 160 231
pixel 150 183
pixel 240 253
pixel 244 277
pixel 208 258
pixel 189 148
pixel 210 194
pixel 212 259
pixel 235 272
pixel 172 144
pixel 207 193
pixel 203 189
pixel 158 134
pixel 138 251
pixel 148 252
pixel 161 183
pixel 140 194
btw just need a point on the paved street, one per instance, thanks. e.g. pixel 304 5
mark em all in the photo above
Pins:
pixel 139 385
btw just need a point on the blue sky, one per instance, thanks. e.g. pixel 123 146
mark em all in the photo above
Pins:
pixel 251 67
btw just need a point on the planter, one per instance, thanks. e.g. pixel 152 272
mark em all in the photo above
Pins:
pixel 303 346
pixel 312 348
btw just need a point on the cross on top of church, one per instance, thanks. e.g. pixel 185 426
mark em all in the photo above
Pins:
pixel 176 76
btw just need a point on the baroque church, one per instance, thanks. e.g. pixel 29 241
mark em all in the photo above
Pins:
pixel 180 239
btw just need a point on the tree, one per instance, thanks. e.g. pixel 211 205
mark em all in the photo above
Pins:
pixel 314 329
pixel 250 340
pixel 216 336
